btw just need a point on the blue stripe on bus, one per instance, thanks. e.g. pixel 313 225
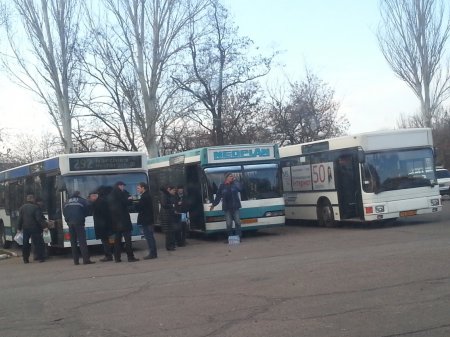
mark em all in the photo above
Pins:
pixel 90 232
pixel 253 212
pixel 51 164
pixel 245 228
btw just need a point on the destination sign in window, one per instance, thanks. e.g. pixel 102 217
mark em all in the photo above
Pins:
pixel 105 163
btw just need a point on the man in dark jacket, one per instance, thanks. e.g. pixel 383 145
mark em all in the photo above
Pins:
pixel 145 219
pixel 167 214
pixel 32 222
pixel 181 209
pixel 228 192
pixel 118 201
pixel 75 211
pixel 102 220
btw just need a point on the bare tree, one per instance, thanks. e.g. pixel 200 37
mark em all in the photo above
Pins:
pixel 152 32
pixel 111 101
pixel 221 60
pixel 25 148
pixel 306 112
pixel 50 67
pixel 412 37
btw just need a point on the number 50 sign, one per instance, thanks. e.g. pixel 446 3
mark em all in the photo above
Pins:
pixel 323 176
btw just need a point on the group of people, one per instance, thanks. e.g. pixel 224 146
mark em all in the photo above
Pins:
pixel 112 219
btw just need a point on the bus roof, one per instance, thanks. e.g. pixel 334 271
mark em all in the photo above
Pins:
pixel 218 155
pixel 77 162
pixel 368 141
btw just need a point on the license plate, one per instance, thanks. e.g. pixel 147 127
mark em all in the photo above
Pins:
pixel 408 213
pixel 253 220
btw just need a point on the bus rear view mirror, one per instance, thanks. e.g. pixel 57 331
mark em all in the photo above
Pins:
pixel 60 184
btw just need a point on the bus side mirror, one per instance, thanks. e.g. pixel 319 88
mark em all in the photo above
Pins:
pixel 60 184
pixel 361 156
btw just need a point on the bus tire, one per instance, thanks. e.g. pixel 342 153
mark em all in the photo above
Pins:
pixel 325 215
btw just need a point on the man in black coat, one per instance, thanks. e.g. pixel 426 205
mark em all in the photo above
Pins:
pixel 168 217
pixel 145 218
pixel 102 220
pixel 118 201
pixel 32 222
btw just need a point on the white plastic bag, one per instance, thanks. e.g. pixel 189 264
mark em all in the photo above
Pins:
pixel 19 238
pixel 46 236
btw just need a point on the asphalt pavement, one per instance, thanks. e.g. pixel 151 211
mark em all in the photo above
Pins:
pixel 384 281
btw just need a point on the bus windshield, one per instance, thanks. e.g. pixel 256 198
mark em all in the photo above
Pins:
pixel 260 181
pixel 88 183
pixel 399 169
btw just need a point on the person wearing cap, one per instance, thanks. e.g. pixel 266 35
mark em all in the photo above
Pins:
pixel 75 211
pixel 118 201
pixel 228 192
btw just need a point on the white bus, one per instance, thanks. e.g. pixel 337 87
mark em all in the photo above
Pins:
pixel 53 180
pixel 202 170
pixel 364 177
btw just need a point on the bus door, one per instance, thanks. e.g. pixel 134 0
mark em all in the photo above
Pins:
pixel 349 194
pixel 16 200
pixel 193 192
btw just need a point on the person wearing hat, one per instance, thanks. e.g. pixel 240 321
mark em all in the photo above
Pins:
pixel 118 201
pixel 75 211
pixel 228 192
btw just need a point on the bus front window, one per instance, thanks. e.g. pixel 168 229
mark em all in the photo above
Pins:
pixel 262 181
pixel 215 177
pixel 85 184
pixel 395 170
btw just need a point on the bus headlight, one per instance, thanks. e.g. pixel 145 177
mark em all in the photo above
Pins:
pixel 434 202
pixel 274 213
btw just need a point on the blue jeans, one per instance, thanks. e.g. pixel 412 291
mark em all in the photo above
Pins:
pixel 230 215
pixel 150 238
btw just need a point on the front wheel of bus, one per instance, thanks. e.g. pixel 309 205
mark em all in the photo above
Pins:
pixel 325 214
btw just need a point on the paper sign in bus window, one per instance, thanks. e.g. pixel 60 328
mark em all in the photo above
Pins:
pixel 323 176
pixel 301 178
pixel 286 179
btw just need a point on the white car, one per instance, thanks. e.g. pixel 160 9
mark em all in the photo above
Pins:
pixel 443 179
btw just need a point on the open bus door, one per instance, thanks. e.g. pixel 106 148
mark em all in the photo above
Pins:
pixel 15 199
pixel 194 197
pixel 348 185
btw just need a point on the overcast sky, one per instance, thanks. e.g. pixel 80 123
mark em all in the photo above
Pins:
pixel 335 39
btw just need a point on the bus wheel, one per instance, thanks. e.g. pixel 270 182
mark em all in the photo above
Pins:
pixel 325 214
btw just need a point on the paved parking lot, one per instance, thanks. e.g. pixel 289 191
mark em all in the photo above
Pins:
pixel 391 280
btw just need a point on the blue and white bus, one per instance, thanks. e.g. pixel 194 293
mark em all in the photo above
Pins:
pixel 202 170
pixel 53 180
